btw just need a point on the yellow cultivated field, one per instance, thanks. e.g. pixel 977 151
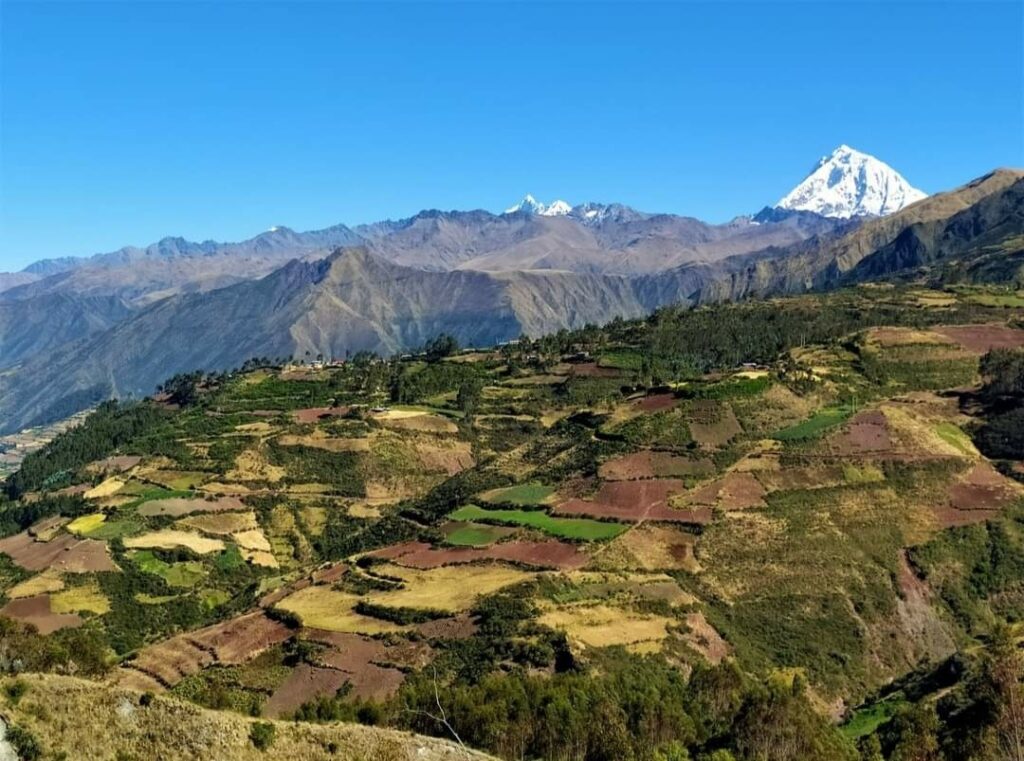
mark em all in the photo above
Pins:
pixel 253 539
pixel 170 538
pixel 450 588
pixel 604 626
pixel 321 607
pixel 105 489
pixel 84 598
pixel 366 509
pixel 86 523
pixel 259 557
pixel 313 519
pixel 176 479
pixel 220 523
pixel 47 581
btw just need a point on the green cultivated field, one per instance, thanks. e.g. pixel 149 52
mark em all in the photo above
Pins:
pixel 816 425
pixel 569 528
pixel 524 494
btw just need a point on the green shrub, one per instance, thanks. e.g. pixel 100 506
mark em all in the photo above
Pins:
pixel 261 734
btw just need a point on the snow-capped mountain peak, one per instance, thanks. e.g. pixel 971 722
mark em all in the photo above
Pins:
pixel 848 183
pixel 530 205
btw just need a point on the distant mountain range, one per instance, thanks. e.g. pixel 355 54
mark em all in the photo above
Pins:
pixel 117 324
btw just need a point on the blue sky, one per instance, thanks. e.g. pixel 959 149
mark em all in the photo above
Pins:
pixel 124 122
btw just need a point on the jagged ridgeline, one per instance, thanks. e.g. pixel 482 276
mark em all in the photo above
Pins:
pixel 118 324
pixel 776 529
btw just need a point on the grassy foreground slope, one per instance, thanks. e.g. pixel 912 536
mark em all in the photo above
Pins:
pixel 80 720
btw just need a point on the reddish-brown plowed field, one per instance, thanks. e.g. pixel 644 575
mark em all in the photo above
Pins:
pixel 229 642
pixel 547 554
pixel 64 552
pixel 648 464
pixel 592 370
pixel 656 402
pixel 171 661
pixel 348 652
pixel 36 611
pixel 274 597
pixel 313 414
pixel 976 498
pixel 397 550
pixel 242 638
pixel 633 501
pixel 733 491
pixel 979 339
pixel 330 574
pixel 178 506
pixel 866 432
pixel 456 627
pixel 662 513
pixel 117 464
pixel 304 684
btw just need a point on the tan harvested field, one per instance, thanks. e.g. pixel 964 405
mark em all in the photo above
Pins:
pixel 450 588
pixel 712 424
pixel 320 440
pixel 605 626
pixel 115 464
pixel 168 539
pixel 178 506
pixel 634 501
pixel 445 455
pixel 705 639
pixel 651 464
pixel 252 465
pixel 410 420
pixel 168 728
pixel 260 557
pixel 806 477
pixel 655 548
pixel 64 553
pixel 733 491
pixel 220 523
pixel 979 339
pixel 37 612
pixel 252 539
pixel 543 554
pixel 656 403
pixel 889 337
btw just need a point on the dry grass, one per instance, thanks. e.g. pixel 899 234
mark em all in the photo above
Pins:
pixel 320 440
pixel 252 465
pixel 168 539
pixel 167 728
pixel 252 539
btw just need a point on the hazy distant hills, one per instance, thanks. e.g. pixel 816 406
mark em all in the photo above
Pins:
pixel 118 324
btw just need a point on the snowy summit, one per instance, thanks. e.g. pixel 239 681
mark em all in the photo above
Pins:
pixel 531 205
pixel 848 184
